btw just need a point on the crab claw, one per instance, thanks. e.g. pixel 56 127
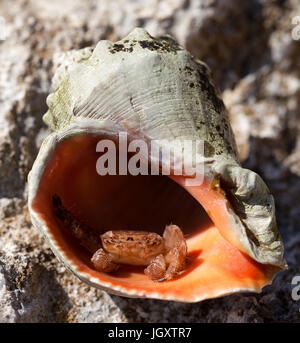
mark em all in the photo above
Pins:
pixel 166 267
pixel 103 262
pixel 176 258
pixel 157 268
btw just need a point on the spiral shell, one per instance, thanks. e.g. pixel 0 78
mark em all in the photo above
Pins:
pixel 153 89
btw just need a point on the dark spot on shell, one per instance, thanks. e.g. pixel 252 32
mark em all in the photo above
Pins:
pixel 163 44
pixel 131 102
pixel 145 44
pixel 192 84
pixel 188 70
pixel 120 47
pixel 209 150
pixel 208 87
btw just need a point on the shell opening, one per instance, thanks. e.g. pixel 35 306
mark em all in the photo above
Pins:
pixel 114 202
pixel 111 202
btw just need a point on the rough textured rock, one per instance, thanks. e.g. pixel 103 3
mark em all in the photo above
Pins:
pixel 256 64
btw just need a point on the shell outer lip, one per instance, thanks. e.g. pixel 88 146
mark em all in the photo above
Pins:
pixel 258 228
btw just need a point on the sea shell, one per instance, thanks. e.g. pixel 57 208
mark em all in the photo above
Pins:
pixel 153 89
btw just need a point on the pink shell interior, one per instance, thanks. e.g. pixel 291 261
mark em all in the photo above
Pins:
pixel 216 266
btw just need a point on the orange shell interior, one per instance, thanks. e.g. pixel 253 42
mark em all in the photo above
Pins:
pixel 216 266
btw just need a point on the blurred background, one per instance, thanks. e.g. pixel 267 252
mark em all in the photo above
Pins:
pixel 253 50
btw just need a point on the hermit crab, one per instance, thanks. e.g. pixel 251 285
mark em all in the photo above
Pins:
pixel 149 233
pixel 165 256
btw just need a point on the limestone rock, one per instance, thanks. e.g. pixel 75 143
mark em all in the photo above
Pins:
pixel 255 62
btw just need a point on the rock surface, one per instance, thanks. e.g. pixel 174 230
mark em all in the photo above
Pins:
pixel 255 62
